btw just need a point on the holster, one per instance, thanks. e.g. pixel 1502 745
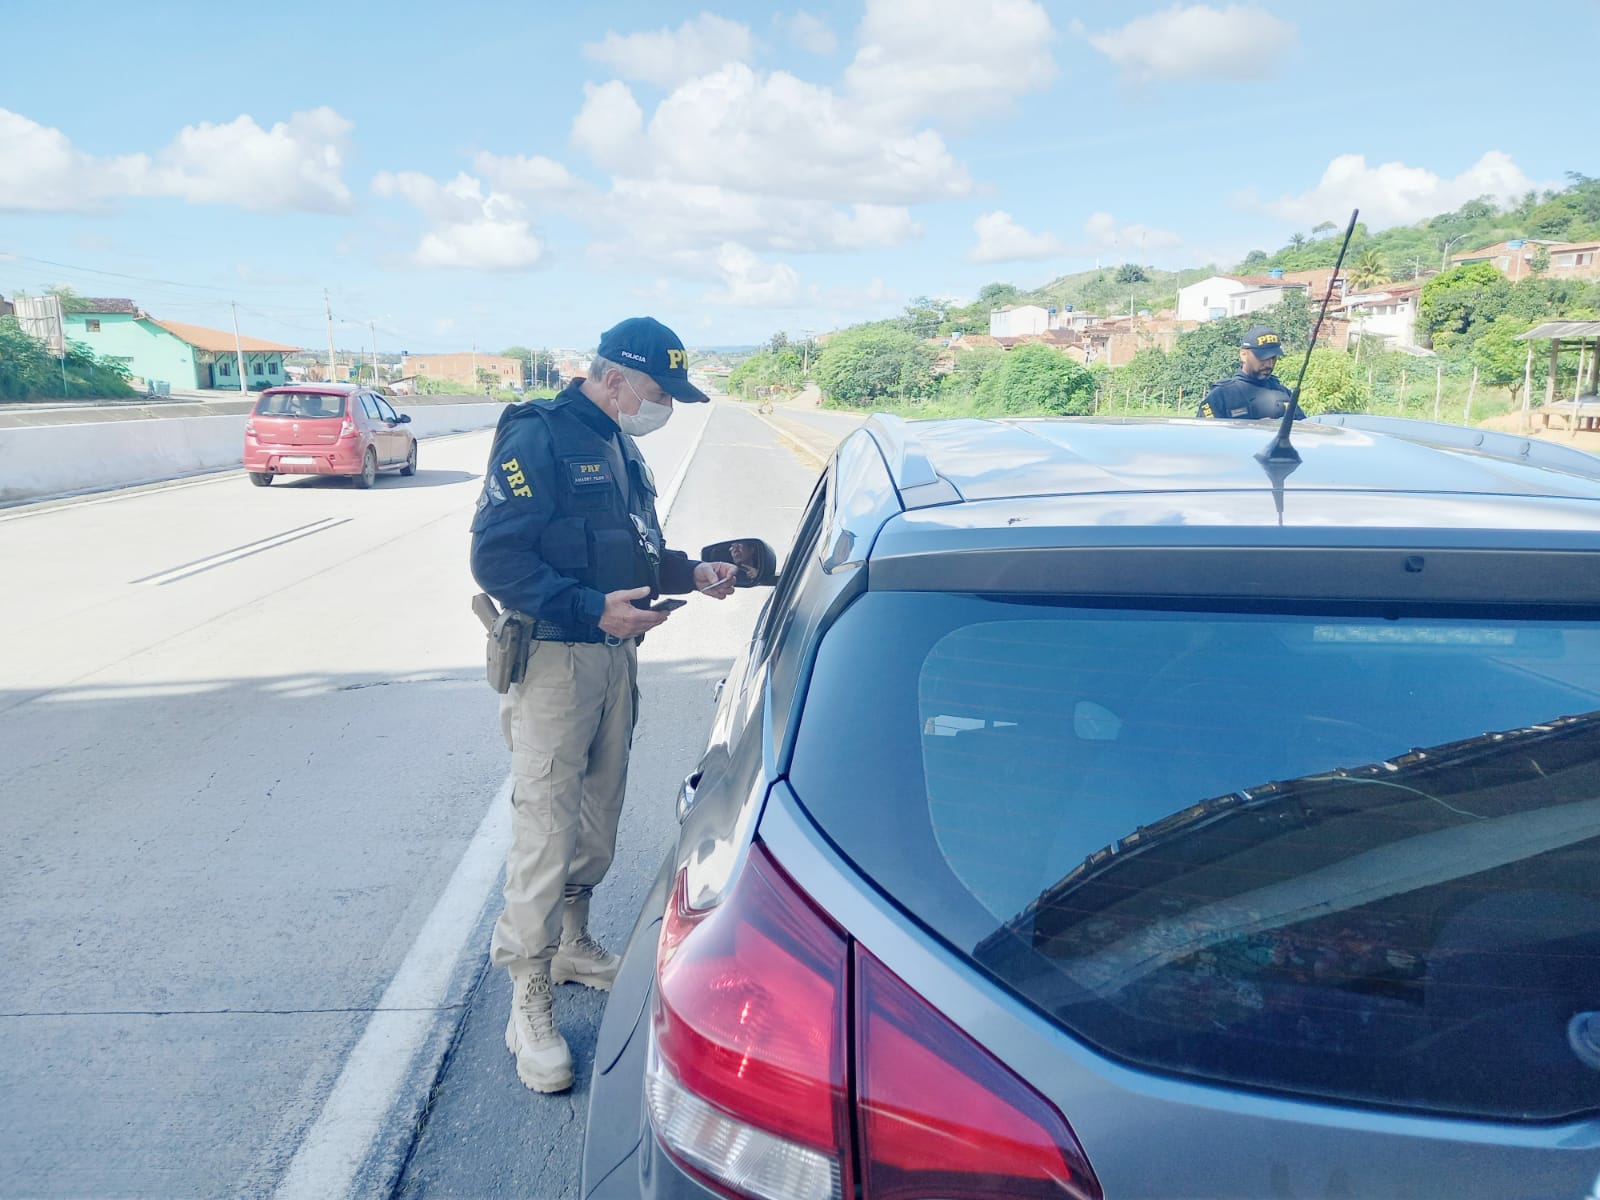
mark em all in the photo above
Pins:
pixel 506 649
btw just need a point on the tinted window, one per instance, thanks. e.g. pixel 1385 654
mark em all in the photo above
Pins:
pixel 369 405
pixel 1345 856
pixel 385 411
pixel 300 404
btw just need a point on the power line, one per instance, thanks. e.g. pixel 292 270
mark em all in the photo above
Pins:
pixel 207 287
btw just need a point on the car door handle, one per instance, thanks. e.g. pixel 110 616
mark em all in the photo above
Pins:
pixel 686 794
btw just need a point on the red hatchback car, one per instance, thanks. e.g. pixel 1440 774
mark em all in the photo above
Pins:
pixel 326 429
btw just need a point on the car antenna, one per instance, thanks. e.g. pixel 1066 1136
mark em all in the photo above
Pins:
pixel 1279 450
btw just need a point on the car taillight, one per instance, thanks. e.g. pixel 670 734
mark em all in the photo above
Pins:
pixel 250 428
pixel 749 1080
pixel 746 1080
pixel 347 430
pixel 941 1116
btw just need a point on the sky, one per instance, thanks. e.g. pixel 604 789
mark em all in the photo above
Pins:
pixel 482 175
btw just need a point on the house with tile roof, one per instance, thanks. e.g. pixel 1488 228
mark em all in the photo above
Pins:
pixel 178 354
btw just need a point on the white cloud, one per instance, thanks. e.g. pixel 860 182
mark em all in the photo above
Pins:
pixel 1105 234
pixel 609 128
pixel 667 57
pixel 749 282
pixel 1001 239
pixel 943 58
pixel 469 228
pixel 296 165
pixel 1394 193
pixel 810 33
pixel 1198 42
pixel 777 134
pixel 529 176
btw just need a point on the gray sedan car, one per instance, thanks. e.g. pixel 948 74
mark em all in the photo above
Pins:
pixel 1096 812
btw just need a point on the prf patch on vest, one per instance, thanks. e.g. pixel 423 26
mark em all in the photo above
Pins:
pixel 589 472
pixel 515 481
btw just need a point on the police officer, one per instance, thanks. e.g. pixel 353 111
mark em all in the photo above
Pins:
pixel 566 532
pixel 1254 392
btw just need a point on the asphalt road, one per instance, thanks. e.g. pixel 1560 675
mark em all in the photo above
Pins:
pixel 248 777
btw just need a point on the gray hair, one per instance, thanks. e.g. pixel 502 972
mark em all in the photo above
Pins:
pixel 600 366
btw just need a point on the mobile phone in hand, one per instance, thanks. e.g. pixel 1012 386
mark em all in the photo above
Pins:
pixel 668 604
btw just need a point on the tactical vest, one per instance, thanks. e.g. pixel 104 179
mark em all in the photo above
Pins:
pixel 604 533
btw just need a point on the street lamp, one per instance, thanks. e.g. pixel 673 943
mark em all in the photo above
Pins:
pixel 1444 262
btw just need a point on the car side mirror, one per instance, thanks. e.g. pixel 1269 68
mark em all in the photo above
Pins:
pixel 756 561
pixel 405 418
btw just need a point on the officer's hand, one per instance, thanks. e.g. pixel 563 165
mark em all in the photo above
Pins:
pixel 621 619
pixel 720 573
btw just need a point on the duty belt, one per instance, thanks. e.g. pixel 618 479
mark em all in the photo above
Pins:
pixel 549 631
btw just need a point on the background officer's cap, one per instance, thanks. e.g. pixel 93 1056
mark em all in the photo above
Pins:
pixel 1264 342
pixel 645 344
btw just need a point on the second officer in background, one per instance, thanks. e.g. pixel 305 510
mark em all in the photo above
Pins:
pixel 1254 392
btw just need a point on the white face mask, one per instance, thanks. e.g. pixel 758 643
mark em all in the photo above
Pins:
pixel 650 417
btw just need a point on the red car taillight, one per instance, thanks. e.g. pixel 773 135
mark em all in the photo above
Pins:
pixel 250 429
pixel 347 430
pixel 751 1085
pixel 941 1116
pixel 747 1074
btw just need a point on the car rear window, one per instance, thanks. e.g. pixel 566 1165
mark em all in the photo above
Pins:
pixel 300 404
pixel 1348 855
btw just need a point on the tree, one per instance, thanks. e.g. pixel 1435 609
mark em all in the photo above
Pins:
pixel 971 368
pixel 869 362
pixel 29 370
pixel 1037 379
pixel 1540 262
pixel 1331 383
pixel 1297 240
pixel 997 295
pixel 1501 360
pixel 1323 227
pixel 1455 301
pixel 924 316
pixel 1204 356
pixel 1131 273
pixel 1368 269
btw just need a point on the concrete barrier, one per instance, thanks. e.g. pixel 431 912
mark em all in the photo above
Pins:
pixel 41 461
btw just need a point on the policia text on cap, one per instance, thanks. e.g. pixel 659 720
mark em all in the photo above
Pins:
pixel 1254 392
pixel 566 533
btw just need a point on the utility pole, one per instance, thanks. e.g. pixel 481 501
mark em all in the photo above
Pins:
pixel 373 325
pixel 238 351
pixel 328 306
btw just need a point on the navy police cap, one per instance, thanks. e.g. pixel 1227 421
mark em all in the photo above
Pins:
pixel 645 344
pixel 1264 342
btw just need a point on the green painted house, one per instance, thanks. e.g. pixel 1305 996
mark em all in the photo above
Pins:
pixel 171 352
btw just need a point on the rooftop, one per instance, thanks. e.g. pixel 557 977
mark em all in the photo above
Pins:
pixel 219 340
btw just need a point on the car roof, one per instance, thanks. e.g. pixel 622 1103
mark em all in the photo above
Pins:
pixel 978 459
pixel 321 389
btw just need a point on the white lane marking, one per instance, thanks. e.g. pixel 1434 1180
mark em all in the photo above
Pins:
pixel 173 574
pixel 671 494
pixel 336 1145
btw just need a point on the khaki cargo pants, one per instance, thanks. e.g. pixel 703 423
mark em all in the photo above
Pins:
pixel 569 726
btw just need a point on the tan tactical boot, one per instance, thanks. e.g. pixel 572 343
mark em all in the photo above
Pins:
pixel 543 1061
pixel 583 960
pixel 579 958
